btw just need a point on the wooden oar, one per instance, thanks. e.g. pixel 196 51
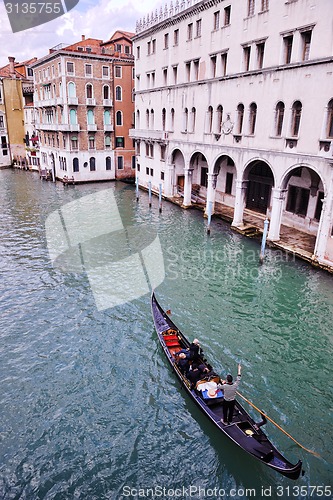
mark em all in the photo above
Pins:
pixel 278 426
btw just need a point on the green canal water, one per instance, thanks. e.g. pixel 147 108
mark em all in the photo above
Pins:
pixel 89 408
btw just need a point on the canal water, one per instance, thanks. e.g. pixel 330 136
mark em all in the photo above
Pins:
pixel 89 408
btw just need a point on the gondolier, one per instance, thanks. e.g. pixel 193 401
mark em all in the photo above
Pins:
pixel 229 390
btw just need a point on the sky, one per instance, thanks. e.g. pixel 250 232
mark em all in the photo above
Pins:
pixel 96 19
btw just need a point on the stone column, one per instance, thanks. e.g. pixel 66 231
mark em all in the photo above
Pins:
pixel 170 182
pixel 241 187
pixel 278 197
pixel 325 224
pixel 187 187
pixel 211 190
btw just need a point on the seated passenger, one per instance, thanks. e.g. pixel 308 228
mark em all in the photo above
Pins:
pixel 196 373
pixel 183 362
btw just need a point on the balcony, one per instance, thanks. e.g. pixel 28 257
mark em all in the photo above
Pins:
pixel 107 103
pixel 108 127
pixel 46 103
pixel 72 101
pixel 90 101
pixel 153 135
pixel 92 127
pixel 59 127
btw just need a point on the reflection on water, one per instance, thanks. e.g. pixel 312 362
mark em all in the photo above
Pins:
pixel 88 405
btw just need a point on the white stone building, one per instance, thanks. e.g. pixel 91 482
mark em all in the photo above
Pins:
pixel 234 102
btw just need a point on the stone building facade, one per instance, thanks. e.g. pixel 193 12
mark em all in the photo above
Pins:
pixel 79 90
pixel 234 106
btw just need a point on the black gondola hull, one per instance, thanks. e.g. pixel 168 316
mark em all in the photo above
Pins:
pixel 243 431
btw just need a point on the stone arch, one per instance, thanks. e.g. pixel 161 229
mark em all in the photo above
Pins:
pixel 260 181
pixel 177 159
pixel 305 191
pixel 199 165
pixel 224 179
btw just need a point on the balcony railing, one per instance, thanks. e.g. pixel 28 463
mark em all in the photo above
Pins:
pixel 92 127
pixel 90 101
pixel 73 101
pixel 155 135
pixel 108 127
pixel 59 127
pixel 107 102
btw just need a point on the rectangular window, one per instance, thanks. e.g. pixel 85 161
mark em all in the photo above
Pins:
pixel 188 71
pixel 88 69
pixel 196 69
pixel 260 54
pixel 176 37
pixel 70 68
pixel 264 5
pixel 147 170
pixel 165 76
pixel 120 143
pixel 105 72
pixel 153 47
pixel 213 65
pixel 190 31
pixel 118 71
pixel 152 172
pixel 166 40
pixel 120 162
pixel 175 73
pixel 2 125
pixel 198 28
pixel 250 8
pixel 246 56
pixel 227 15
pixel 288 45
pixel 127 49
pixel 118 47
pixel 133 162
pixel 148 48
pixel 138 52
pixel 163 149
pixel 228 182
pixel 306 42
pixel 224 63
pixel 216 20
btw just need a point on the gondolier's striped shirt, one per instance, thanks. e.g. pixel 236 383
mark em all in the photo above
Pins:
pixel 231 389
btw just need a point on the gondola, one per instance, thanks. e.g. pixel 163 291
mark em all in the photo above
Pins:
pixel 243 430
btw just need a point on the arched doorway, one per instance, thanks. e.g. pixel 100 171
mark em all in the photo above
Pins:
pixel 260 183
pixel 177 159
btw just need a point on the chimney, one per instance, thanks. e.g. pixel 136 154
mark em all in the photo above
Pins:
pixel 83 37
pixel 11 66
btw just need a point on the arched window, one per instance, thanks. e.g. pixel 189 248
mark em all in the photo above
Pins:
pixel 252 118
pixel 193 119
pixel 73 117
pixel 219 118
pixel 279 115
pixel 119 93
pixel 172 112
pixel 89 91
pixel 108 163
pixel 90 117
pixel 152 119
pixel 296 118
pixel 240 118
pixel 147 118
pixel 107 117
pixel 75 164
pixel 106 92
pixel 92 164
pixel 71 89
pixel 209 120
pixel 329 126
pixel 119 118
pixel 163 118
pixel 137 125
pixel 185 119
